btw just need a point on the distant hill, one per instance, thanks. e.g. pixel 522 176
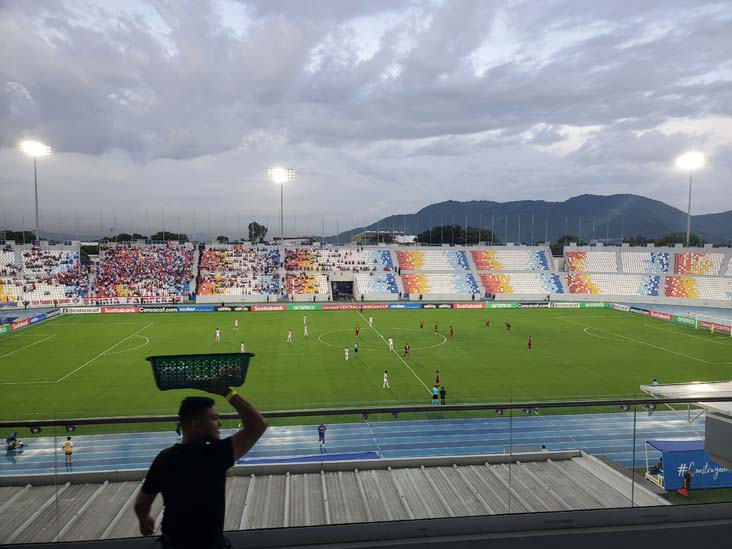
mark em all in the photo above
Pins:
pixel 628 215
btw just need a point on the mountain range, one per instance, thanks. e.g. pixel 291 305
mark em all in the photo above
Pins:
pixel 589 216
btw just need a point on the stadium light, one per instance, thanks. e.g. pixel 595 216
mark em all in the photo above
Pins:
pixel 280 176
pixel 690 161
pixel 35 149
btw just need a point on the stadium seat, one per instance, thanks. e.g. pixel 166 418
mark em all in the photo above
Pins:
pixel 237 271
pixel 592 262
pixel 645 262
pixel 699 287
pixel 510 260
pixel 440 284
pixel 432 260
pixel 608 284
pixel 376 284
pixel 698 263
pixel 522 283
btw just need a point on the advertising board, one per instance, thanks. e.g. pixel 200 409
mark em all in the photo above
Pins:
pixel 119 310
pixel 662 316
pixel 509 305
pixel 305 307
pixel 534 305
pixel 594 305
pixel 267 308
pixel 468 305
pixel 158 309
pixel 195 308
pixel 565 305
pixel 18 324
pixel 81 310
pixel 37 318
pixel 406 305
pixel 5 328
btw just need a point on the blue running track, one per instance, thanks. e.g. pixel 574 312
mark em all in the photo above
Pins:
pixel 609 435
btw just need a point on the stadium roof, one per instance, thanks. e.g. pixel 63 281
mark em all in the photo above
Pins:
pixel 280 496
pixel 696 389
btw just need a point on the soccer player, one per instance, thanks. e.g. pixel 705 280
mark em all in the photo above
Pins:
pixel 421 324
pixel 236 324
pixel 386 380
pixel 443 394
pixel 530 343
pixel 217 338
pixel 435 396
pixel 406 350
pixel 371 322
pixel 452 331
pixel 391 344
pixel 289 337
pixel 437 377
pixel 355 348
pixel 305 330
pixel 305 320
pixel 436 327
pixel 487 322
pixel 242 348
pixel 345 352
pixel 357 329
pixel 508 328
pixel 321 434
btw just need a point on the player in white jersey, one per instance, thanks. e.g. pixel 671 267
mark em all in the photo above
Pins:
pixel 346 350
pixel 217 339
pixel 305 330
pixel 371 321
pixel 305 320
pixel 391 344
pixel 242 349
pixel 236 324
pixel 386 380
pixel 289 337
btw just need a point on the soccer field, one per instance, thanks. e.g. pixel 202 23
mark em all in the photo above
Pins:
pixel 94 365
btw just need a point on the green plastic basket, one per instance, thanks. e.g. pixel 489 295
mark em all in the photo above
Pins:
pixel 200 371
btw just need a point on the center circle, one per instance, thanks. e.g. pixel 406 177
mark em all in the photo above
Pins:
pixel 385 347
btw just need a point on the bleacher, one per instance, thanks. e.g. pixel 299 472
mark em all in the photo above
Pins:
pixel 699 287
pixel 591 262
pixel 375 284
pixel 645 262
pixel 613 284
pixel 8 268
pixel 237 270
pixel 439 283
pixel 432 260
pixel 306 284
pixel 698 263
pixel 511 260
pixel 337 260
pixel 522 283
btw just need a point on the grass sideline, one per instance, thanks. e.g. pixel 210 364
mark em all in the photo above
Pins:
pixel 94 365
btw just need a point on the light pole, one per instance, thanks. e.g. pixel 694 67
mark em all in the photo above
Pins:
pixel 35 149
pixel 281 176
pixel 690 161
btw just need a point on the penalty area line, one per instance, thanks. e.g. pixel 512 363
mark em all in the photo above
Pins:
pixel 31 345
pixel 396 354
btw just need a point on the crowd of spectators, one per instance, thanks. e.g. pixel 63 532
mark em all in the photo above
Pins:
pixel 304 283
pixel 144 271
pixel 238 270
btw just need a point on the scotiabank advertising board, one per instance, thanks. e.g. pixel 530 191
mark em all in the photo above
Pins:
pixel 119 310
pixel 662 316
pixel 468 305
pixel 266 308
pixel 18 324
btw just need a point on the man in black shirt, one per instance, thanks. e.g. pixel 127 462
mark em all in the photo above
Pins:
pixel 192 475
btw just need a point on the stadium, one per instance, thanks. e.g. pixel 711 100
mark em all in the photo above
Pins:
pixel 508 372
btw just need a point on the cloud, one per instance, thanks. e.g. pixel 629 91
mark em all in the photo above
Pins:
pixel 396 102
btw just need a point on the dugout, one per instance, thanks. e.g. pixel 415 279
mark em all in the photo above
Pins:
pixel 680 456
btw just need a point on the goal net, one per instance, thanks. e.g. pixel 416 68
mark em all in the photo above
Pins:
pixel 713 324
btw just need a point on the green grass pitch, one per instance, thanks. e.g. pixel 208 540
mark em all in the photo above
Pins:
pixel 94 365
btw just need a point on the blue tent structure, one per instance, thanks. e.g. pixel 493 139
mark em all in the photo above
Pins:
pixel 678 457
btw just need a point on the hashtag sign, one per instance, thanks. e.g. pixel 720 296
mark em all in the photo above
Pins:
pixel 682 469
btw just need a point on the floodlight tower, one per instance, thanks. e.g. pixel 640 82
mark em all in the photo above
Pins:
pixel 35 149
pixel 690 161
pixel 281 176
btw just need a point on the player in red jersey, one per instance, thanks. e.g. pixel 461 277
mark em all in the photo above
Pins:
pixel 357 329
pixel 452 333
pixel 487 322
pixel 508 328
pixel 421 324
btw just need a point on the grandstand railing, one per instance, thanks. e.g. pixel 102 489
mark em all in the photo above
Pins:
pixel 516 452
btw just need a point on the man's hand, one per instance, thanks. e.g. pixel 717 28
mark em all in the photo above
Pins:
pixel 217 390
pixel 147 526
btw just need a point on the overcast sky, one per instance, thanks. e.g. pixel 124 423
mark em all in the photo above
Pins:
pixel 381 106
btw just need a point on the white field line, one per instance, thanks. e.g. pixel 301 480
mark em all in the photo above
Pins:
pixel 706 339
pixel 147 340
pixel 59 380
pixel 641 342
pixel 31 345
pixel 396 354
